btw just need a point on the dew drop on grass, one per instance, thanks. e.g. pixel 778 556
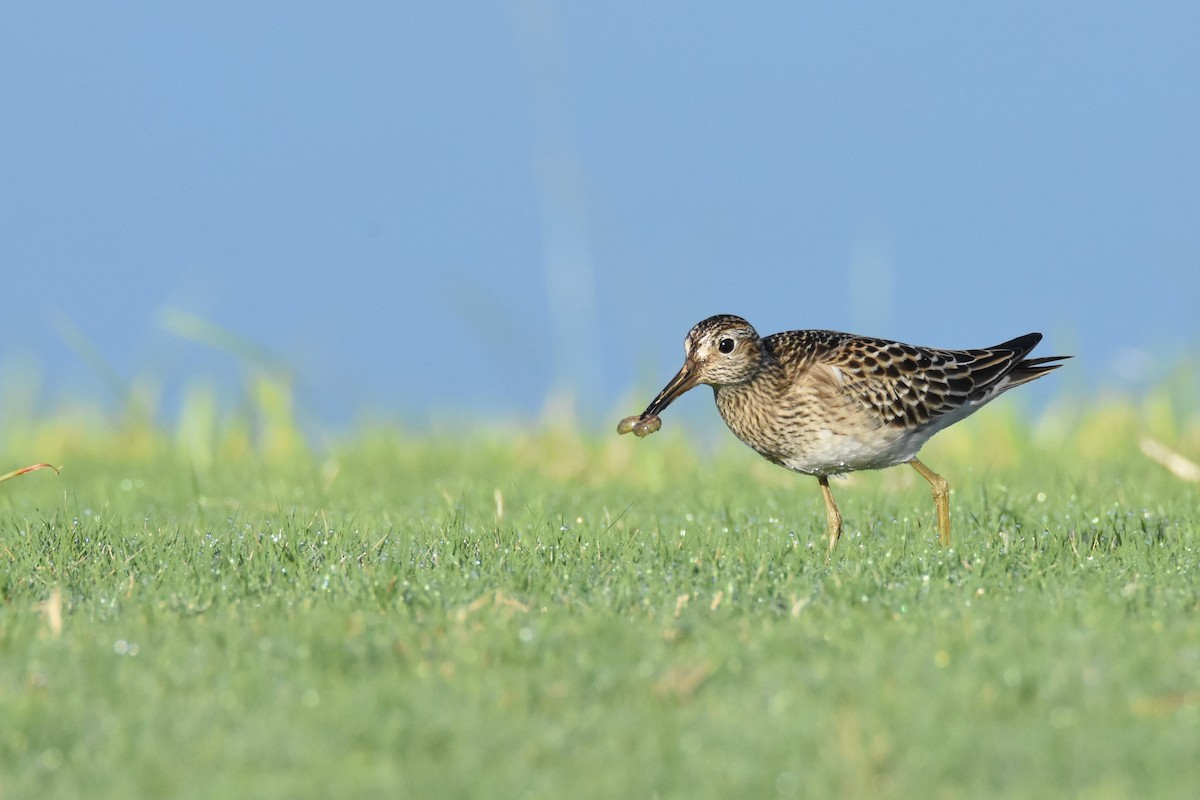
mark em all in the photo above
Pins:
pixel 787 784
pixel 124 648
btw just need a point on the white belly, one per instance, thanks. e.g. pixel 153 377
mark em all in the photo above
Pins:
pixel 829 453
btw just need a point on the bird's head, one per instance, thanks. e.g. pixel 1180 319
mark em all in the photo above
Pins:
pixel 719 351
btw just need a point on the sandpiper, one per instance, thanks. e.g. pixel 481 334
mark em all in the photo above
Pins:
pixel 826 403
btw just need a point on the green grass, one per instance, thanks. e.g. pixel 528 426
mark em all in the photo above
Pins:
pixel 538 614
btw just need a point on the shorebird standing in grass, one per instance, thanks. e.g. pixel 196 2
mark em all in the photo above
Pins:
pixel 825 403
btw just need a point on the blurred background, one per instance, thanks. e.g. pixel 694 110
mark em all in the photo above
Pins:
pixel 424 211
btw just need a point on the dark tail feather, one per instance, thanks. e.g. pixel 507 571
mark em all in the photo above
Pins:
pixel 1029 368
pixel 1032 368
pixel 1021 345
pixel 1037 362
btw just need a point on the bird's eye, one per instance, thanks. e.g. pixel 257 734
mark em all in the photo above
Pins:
pixel 726 345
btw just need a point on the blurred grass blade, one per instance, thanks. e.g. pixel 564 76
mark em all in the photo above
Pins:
pixel 196 329
pixel 91 355
pixel 279 434
pixel 1177 464
pixel 270 383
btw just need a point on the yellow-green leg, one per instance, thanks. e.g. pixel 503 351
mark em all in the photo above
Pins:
pixel 833 517
pixel 941 499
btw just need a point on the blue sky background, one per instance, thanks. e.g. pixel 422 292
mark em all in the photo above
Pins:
pixel 457 208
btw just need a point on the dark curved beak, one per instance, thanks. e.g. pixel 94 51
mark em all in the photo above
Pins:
pixel 685 379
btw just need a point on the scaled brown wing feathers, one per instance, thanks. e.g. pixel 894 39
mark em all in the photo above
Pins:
pixel 907 386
